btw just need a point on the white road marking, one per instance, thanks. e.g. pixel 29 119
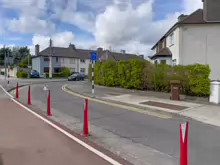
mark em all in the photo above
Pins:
pixel 95 151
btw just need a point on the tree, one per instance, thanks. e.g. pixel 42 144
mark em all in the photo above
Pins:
pixel 24 62
pixel 19 53
pixel 8 52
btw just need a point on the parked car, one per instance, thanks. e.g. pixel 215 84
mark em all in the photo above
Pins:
pixel 76 77
pixel 34 74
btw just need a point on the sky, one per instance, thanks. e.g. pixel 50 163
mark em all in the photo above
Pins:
pixel 131 25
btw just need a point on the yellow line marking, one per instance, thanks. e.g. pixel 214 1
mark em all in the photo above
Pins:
pixel 117 105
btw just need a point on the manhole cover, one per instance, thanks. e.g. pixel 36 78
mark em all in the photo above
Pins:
pixel 164 105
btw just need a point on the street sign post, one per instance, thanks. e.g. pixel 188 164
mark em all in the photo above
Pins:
pixel 184 143
pixel 93 58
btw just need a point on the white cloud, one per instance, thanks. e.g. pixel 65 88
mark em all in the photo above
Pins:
pixel 192 5
pixel 82 20
pixel 31 18
pixel 62 39
pixel 132 27
pixel 31 24
pixel 122 24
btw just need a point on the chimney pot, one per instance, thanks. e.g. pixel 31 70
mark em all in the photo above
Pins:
pixel 37 49
pixel 123 51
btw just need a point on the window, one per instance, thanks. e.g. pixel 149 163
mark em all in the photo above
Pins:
pixel 46 69
pixel 163 62
pixel 72 60
pixel 171 39
pixel 56 59
pixel 72 69
pixel 46 59
pixel 57 70
pixel 62 60
pixel 155 62
pixel 82 70
pixel 82 61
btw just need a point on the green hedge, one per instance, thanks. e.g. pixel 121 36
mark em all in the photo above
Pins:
pixel 141 74
pixel 65 72
pixel 22 74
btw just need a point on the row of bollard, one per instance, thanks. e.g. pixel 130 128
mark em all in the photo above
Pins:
pixel 183 127
pixel 86 107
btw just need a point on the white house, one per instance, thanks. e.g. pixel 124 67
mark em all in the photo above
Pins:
pixel 77 60
pixel 195 38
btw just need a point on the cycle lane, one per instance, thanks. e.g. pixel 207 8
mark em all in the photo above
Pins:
pixel 25 139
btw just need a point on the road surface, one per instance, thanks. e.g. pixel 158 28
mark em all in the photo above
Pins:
pixel 154 133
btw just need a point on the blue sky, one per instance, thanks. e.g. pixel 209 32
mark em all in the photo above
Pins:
pixel 133 25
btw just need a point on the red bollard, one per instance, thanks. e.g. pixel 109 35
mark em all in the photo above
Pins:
pixel 17 94
pixel 85 126
pixel 29 95
pixel 184 143
pixel 48 104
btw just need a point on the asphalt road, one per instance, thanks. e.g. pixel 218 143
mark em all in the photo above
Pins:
pixel 156 133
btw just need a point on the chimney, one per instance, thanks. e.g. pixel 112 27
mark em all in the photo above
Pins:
pixel 99 49
pixel 123 51
pixel 182 17
pixel 211 10
pixel 141 56
pixel 37 49
pixel 72 46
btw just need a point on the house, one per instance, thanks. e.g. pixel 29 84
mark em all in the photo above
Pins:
pixel 115 56
pixel 77 60
pixel 195 38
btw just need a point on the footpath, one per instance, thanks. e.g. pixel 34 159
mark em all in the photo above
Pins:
pixel 27 140
pixel 197 109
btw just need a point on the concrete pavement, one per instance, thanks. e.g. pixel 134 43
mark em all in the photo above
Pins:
pixel 140 138
pixel 27 140
pixel 206 113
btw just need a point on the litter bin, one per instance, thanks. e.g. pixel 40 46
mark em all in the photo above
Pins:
pixel 175 89
pixel 215 92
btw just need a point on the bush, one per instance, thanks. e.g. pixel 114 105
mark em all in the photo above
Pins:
pixel 23 65
pixel 65 72
pixel 141 74
pixel 22 74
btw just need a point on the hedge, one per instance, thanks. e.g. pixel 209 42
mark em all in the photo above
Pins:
pixel 143 75
pixel 22 74
pixel 65 72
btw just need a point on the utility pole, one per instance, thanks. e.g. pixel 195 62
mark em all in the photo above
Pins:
pixel 28 66
pixel 50 62
pixel 7 64
pixel 5 61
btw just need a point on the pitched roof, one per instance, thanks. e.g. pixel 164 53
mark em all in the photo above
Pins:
pixel 194 18
pixel 121 56
pixel 66 52
pixel 84 54
pixel 107 55
pixel 164 52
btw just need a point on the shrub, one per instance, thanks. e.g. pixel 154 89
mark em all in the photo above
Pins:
pixel 23 65
pixel 141 74
pixel 109 74
pixel 199 82
pixel 65 72
pixel 22 74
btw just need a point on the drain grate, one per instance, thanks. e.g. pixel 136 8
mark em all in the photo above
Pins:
pixel 164 105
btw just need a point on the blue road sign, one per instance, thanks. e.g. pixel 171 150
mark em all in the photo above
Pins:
pixel 93 56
